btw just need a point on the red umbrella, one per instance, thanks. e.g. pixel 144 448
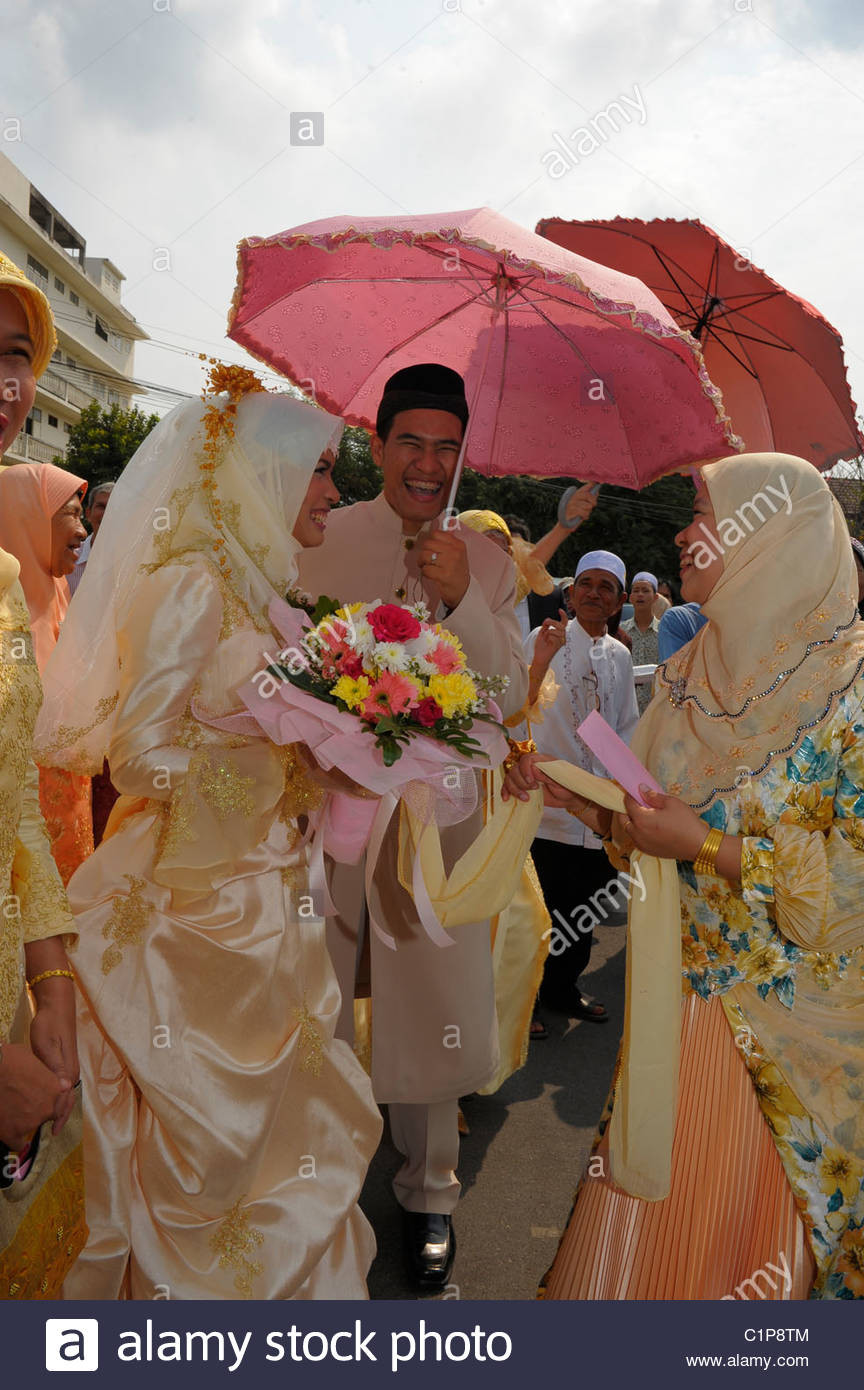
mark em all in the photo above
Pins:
pixel 777 361
pixel 570 368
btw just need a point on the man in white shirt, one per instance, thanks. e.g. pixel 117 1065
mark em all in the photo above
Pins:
pixel 593 671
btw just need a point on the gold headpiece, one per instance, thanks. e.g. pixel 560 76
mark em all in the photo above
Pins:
pixel 235 382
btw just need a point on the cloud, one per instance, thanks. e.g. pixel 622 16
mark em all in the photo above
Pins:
pixel 178 134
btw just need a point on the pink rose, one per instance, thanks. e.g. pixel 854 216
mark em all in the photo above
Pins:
pixel 428 712
pixel 351 665
pixel 391 623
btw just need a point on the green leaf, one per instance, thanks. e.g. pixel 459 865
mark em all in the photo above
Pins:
pixel 323 608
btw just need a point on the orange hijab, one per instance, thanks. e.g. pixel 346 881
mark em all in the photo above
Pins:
pixel 30 494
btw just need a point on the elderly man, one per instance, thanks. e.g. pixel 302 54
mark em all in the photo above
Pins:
pixel 434 1034
pixel 94 510
pixel 592 671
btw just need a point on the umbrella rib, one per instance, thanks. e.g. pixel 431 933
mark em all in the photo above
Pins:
pixel 751 337
pixel 534 304
pixel 442 318
pixel 748 367
pixel 683 293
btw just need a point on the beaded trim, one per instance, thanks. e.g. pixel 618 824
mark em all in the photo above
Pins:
pixel 779 752
pixel 677 688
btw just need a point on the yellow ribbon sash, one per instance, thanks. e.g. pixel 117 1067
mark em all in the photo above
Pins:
pixel 483 882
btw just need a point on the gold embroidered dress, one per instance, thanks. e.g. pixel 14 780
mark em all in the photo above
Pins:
pixel 32 902
pixel 228 1133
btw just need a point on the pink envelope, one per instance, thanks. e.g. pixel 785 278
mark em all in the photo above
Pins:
pixel 610 750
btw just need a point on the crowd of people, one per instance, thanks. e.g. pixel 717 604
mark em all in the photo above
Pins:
pixel 198 1023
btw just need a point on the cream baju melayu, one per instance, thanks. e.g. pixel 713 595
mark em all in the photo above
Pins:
pixel 434 1034
pixel 228 1133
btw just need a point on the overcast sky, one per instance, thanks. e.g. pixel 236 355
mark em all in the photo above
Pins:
pixel 158 124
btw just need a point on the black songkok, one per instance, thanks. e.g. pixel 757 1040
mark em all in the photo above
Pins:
pixel 426 386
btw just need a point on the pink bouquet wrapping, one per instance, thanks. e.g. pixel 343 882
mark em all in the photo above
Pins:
pixel 384 696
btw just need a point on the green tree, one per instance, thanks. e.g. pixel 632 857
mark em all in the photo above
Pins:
pixel 102 442
pixel 638 526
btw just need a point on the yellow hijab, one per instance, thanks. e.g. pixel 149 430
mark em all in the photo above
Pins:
pixel 783 641
pixel 40 320
pixel 531 575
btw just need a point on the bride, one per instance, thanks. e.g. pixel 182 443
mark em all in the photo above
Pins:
pixel 227 1133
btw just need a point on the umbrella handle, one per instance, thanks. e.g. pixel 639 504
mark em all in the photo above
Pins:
pixel 562 508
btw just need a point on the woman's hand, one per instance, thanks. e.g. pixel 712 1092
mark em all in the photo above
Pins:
pixel 29 1095
pixel 527 775
pixel 52 1038
pixel 521 779
pixel 667 827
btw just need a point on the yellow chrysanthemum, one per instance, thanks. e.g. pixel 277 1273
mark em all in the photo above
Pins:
pixel 347 608
pixel 454 693
pixel 353 692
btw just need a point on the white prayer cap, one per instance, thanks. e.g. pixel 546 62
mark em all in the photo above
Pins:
pixel 603 560
pixel 648 577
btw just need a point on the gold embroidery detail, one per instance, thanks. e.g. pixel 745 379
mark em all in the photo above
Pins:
pixel 178 825
pixel 310 1040
pixel 223 787
pixel 67 734
pixel 125 926
pixel 301 795
pixel 233 1243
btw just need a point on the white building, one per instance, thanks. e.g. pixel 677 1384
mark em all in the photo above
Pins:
pixel 96 336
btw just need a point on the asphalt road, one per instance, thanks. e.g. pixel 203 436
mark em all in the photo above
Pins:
pixel 524 1154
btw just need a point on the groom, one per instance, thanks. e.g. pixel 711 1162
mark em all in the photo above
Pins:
pixel 434 1032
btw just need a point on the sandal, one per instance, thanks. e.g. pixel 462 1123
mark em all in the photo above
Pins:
pixel 589 1009
pixel 538 1030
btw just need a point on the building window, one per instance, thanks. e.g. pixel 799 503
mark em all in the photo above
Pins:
pixel 73 298
pixel 36 415
pixel 59 286
pixel 111 281
pixel 100 330
pixel 67 428
pixel 52 421
pixel 89 313
pixel 71 363
pixel 57 355
pixel 38 272
pixel 114 398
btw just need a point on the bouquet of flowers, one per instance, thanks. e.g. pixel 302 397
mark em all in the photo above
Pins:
pixel 378 694
pixel 394 670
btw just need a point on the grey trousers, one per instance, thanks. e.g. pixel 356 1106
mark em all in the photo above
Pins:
pixel 426 1135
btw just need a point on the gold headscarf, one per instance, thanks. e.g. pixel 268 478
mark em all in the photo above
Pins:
pixel 531 575
pixel 783 641
pixel 40 320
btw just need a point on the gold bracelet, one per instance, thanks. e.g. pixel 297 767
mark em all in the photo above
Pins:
pixel 706 860
pixel 517 750
pixel 48 975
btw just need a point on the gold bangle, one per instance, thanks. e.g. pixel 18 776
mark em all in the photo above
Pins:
pixel 48 975
pixel 517 750
pixel 706 860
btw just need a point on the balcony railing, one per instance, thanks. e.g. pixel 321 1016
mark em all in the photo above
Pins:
pixel 36 450
pixel 59 386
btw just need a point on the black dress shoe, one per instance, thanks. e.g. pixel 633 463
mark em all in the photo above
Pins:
pixel 430 1247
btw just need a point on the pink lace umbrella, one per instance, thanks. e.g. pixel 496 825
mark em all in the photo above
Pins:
pixel 778 362
pixel 570 368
